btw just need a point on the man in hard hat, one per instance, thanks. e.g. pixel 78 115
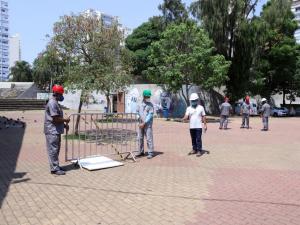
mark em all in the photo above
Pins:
pixel 145 112
pixel 53 128
pixel 265 113
pixel 196 114
pixel 225 109
pixel 245 112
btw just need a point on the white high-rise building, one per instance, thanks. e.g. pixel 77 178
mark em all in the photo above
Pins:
pixel 296 10
pixel 4 47
pixel 14 50
pixel 108 20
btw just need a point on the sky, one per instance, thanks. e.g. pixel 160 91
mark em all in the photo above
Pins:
pixel 34 19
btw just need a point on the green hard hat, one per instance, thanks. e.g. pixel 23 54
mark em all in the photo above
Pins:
pixel 147 93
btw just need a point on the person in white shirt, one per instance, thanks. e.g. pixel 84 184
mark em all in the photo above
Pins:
pixel 196 114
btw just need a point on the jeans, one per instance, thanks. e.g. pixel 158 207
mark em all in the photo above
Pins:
pixel 196 134
pixel 166 113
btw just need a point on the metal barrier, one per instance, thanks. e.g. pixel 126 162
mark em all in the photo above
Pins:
pixel 101 134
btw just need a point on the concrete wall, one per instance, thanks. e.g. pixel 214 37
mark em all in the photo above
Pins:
pixel 133 97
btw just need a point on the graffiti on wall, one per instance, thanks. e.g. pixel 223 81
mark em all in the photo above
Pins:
pixel 162 101
pixel 132 100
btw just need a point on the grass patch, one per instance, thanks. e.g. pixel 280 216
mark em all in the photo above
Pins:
pixel 74 137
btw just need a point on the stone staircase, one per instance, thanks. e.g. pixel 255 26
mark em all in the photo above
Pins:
pixel 21 104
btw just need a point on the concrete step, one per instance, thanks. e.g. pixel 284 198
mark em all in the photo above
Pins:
pixel 21 104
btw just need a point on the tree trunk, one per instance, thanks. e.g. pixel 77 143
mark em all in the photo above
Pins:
pixel 185 98
pixel 78 117
pixel 108 103
pixel 283 98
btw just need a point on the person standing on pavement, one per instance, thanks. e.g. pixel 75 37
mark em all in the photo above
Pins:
pixel 196 114
pixel 245 112
pixel 265 113
pixel 53 128
pixel 145 113
pixel 225 109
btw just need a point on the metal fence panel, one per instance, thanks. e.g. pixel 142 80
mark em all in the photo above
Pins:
pixel 101 134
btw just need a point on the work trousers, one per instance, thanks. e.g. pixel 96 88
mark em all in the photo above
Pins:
pixel 245 122
pixel 147 132
pixel 223 121
pixel 53 142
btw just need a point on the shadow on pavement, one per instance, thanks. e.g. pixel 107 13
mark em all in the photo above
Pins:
pixel 11 133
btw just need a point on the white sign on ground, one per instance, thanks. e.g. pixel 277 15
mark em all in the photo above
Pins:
pixel 98 162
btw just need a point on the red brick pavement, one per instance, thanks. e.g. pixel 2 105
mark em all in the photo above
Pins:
pixel 249 177
pixel 256 196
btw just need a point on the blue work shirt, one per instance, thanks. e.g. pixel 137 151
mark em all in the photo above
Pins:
pixel 53 109
pixel 145 112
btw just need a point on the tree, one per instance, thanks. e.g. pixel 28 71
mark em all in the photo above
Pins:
pixel 278 54
pixel 173 11
pixel 48 68
pixel 94 54
pixel 139 44
pixel 184 56
pixel 21 72
pixel 229 24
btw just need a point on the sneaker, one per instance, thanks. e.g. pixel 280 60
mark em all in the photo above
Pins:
pixel 58 172
pixel 192 152
pixel 242 127
pixel 150 156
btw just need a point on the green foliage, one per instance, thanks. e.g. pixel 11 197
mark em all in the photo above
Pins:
pixel 48 69
pixel 173 11
pixel 139 42
pixel 94 54
pixel 184 55
pixel 230 25
pixel 278 55
pixel 21 72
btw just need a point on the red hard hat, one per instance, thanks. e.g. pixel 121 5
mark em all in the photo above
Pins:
pixel 58 89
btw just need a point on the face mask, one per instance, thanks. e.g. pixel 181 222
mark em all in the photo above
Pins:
pixel 194 104
pixel 147 100
pixel 61 98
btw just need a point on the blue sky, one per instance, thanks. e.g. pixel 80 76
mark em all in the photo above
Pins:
pixel 33 19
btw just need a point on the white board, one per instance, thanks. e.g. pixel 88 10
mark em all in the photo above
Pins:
pixel 98 162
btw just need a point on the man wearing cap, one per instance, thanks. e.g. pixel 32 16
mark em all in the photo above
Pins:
pixel 53 128
pixel 225 109
pixel 265 114
pixel 245 112
pixel 196 114
pixel 145 113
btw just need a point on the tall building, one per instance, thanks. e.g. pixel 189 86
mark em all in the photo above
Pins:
pixel 4 47
pixel 296 10
pixel 108 20
pixel 14 50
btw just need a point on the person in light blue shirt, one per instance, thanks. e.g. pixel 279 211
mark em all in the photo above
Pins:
pixel 145 113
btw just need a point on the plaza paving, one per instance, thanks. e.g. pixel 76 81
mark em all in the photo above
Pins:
pixel 249 177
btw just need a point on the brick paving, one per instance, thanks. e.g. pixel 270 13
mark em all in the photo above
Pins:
pixel 249 177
